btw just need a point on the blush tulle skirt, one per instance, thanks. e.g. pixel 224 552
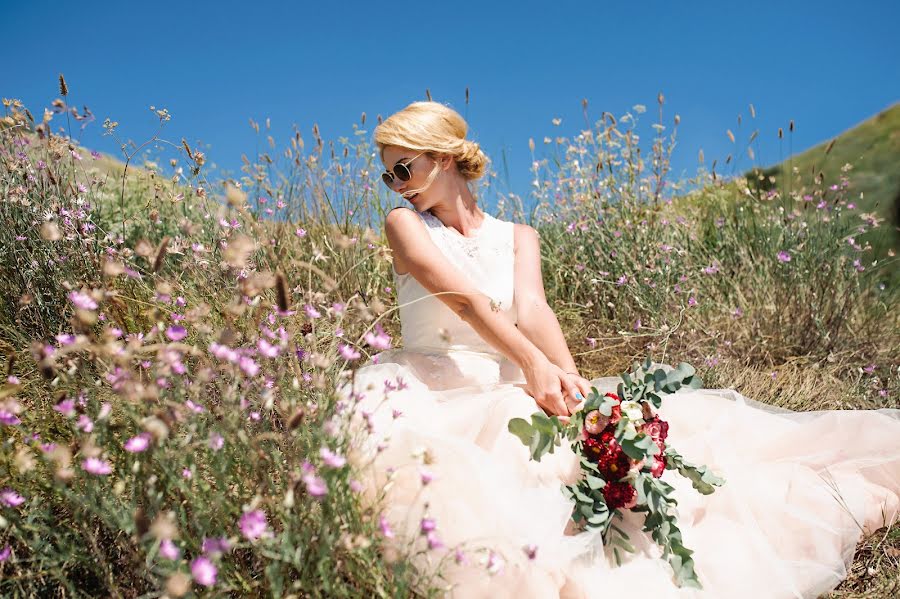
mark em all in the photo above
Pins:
pixel 459 496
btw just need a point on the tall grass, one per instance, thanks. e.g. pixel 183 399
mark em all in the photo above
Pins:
pixel 172 343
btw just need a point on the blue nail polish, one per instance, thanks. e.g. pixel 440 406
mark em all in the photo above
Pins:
pixel 579 395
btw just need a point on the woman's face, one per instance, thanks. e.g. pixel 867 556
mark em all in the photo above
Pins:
pixel 420 168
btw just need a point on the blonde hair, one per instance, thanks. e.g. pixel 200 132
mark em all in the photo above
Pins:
pixel 433 128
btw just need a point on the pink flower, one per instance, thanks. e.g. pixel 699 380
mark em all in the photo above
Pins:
pixel 434 542
pixel 216 441
pixel 82 300
pixel 784 256
pixel 426 475
pixel 138 443
pixel 10 498
pixel 96 466
pixel 494 563
pixel 347 352
pixel 427 525
pixel 315 485
pixel 595 422
pixel 176 332
pixel 267 349
pixel 215 546
pixel 253 524
pixel 85 424
pixel 168 550
pixel 300 233
pixel 331 459
pixel 386 531
pixel 66 407
pixel 530 550
pixel 204 571
pixel 311 311
pixel 8 418
pixel 5 553
pixel 378 340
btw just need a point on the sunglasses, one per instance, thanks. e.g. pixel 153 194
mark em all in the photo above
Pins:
pixel 400 170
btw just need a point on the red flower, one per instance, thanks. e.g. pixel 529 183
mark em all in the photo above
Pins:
pixel 657 428
pixel 613 464
pixel 659 465
pixel 593 449
pixel 619 495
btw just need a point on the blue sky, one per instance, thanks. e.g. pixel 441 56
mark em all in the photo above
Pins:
pixel 214 65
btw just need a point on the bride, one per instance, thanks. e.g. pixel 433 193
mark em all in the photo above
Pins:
pixel 457 492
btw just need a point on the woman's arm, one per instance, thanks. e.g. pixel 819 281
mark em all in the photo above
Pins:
pixel 410 242
pixel 534 316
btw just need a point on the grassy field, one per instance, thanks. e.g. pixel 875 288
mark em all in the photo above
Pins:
pixel 171 343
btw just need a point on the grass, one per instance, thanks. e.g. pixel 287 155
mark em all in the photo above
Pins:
pixel 209 321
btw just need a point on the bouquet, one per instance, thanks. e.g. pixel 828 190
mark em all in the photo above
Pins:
pixel 623 453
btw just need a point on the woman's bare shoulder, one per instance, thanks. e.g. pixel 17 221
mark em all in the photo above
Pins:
pixel 524 235
pixel 405 232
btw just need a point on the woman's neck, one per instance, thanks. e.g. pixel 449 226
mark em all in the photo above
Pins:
pixel 462 212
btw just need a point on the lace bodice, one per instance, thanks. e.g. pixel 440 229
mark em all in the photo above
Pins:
pixel 486 258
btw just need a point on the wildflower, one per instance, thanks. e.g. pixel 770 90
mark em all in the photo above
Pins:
pixel 311 311
pixel 82 300
pixel 426 475
pixel 194 407
pixel 494 563
pixel 169 550
pixel 176 332
pixel 692 301
pixel 248 365
pixel 66 407
pixel 96 466
pixel 10 498
pixel 427 525
pixel 186 473
pixel 213 546
pixel 530 550
pixel 204 571
pixel 138 443
pixel 459 557
pixel 378 340
pixel 347 352
pixel 315 485
pixel 267 349
pixel 332 459
pixel 386 531
pixel 216 441
pixel 253 524
pixel 7 418
pixel 784 256
pixel 434 542
pixel 65 339
pixel 300 233
pixel 355 486
pixel 85 424
pixel 5 553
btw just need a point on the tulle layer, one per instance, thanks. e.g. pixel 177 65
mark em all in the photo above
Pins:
pixel 801 488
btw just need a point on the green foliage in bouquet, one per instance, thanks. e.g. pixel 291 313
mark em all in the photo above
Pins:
pixel 622 430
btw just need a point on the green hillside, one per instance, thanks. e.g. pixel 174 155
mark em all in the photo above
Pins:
pixel 873 148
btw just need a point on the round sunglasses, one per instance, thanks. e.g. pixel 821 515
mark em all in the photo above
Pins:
pixel 400 170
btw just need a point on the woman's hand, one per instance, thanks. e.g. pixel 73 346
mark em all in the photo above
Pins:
pixel 557 392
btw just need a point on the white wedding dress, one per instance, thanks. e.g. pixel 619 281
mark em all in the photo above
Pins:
pixel 430 432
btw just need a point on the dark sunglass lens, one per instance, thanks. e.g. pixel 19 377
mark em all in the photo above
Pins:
pixel 402 172
pixel 386 177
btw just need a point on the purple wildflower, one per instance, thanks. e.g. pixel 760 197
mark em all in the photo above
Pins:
pixel 138 443
pixel 253 524
pixel 10 498
pixel 204 571
pixel 96 466
pixel 176 332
